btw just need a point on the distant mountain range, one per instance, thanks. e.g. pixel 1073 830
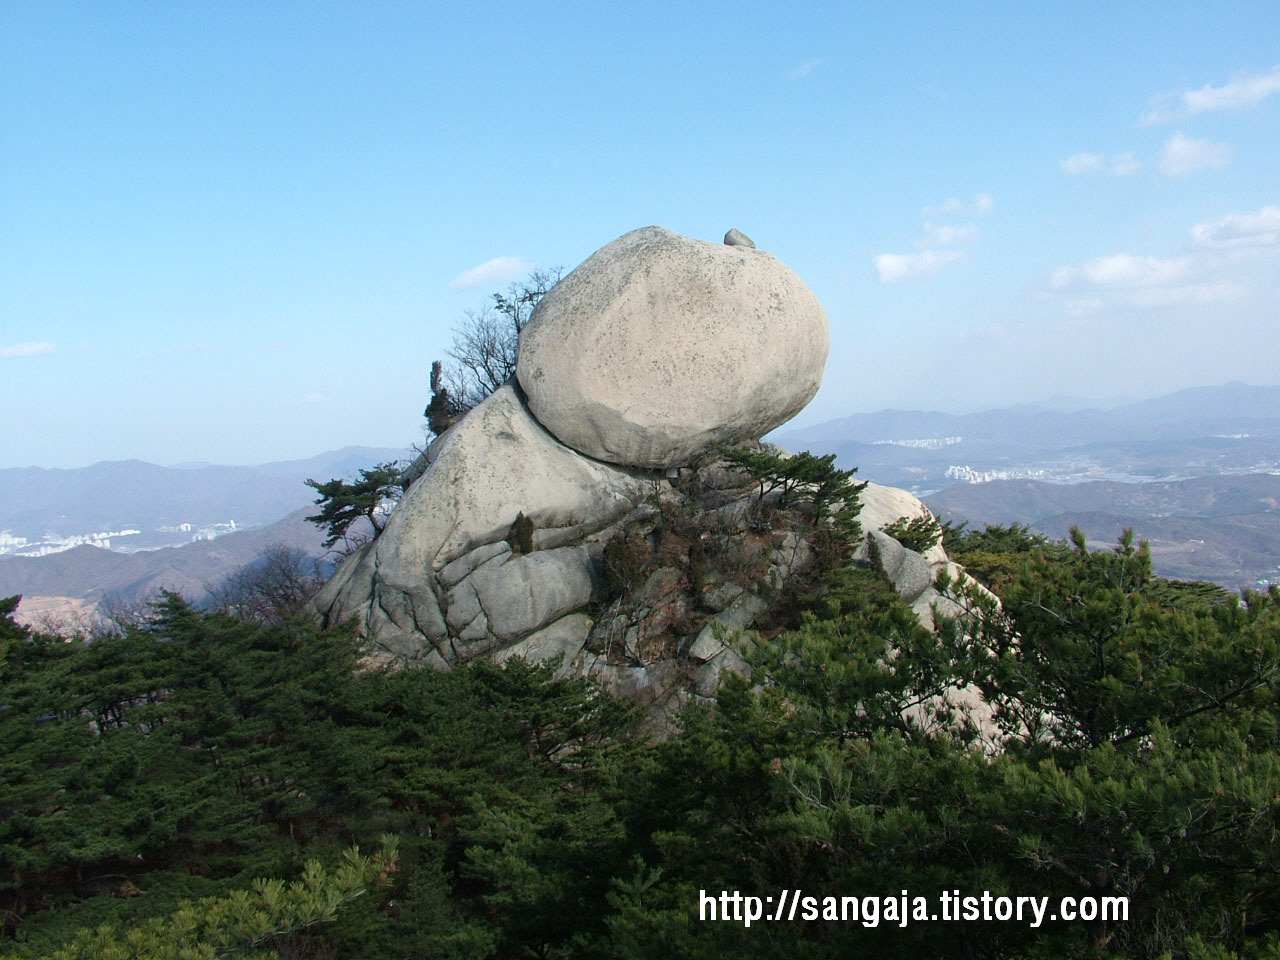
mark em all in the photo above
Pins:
pixel 131 494
pixel 91 575
pixel 1201 431
pixel 268 503
pixel 1208 506
pixel 1224 529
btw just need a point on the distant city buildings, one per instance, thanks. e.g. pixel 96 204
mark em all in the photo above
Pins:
pixel 931 443
pixel 10 544
pixel 212 531
pixel 52 543
pixel 969 475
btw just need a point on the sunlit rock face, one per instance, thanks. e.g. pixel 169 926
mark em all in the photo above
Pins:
pixel 654 350
pixel 658 347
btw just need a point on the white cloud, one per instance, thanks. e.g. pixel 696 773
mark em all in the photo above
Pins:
pixel 1136 281
pixel 1229 265
pixel 1246 90
pixel 1121 165
pixel 900 267
pixel 1123 269
pixel 1082 307
pixel 1082 163
pixel 491 271
pixel 313 398
pixel 1182 156
pixel 1187 293
pixel 1261 228
pixel 983 203
pixel 945 207
pixel 27 350
pixel 1125 164
pixel 795 73
pixel 939 234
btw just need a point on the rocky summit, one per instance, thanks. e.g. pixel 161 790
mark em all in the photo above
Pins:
pixel 659 346
pixel 588 514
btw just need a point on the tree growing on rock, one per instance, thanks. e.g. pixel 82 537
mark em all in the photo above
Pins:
pixel 916 533
pixel 801 479
pixel 342 503
pixel 485 346
pixel 486 343
pixel 444 407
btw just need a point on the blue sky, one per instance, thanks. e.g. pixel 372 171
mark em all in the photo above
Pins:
pixel 240 232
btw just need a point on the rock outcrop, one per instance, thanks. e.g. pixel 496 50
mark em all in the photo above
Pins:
pixel 441 582
pixel 659 346
pixel 644 358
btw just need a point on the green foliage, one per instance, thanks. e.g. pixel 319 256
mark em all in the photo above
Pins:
pixel 805 480
pixel 1129 748
pixel 343 502
pixel 1134 755
pixel 801 479
pixel 247 923
pixel 916 533
pixel 1086 653
pixel 1016 538
pixel 864 665
pixel 147 746
pixel 996 554
pixel 624 563
pixel 12 634
pixel 178 762
pixel 1141 756
pixel 1187 593
pixel 522 534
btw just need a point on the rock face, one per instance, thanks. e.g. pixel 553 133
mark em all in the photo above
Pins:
pixel 441 582
pixel 499 462
pixel 645 597
pixel 659 346
pixel 652 350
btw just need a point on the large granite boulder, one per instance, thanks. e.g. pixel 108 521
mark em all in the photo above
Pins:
pixel 497 463
pixel 650 352
pixel 658 346
pixel 441 583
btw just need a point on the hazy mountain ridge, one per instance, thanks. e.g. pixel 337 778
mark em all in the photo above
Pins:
pixel 132 493
pixel 1228 429
pixel 1233 511
pixel 1223 529
pixel 93 574
pixel 1197 411
pixel 1027 501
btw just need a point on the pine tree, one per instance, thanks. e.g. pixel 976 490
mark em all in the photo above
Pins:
pixel 343 503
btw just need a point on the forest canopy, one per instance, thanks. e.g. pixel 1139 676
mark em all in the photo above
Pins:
pixel 199 785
